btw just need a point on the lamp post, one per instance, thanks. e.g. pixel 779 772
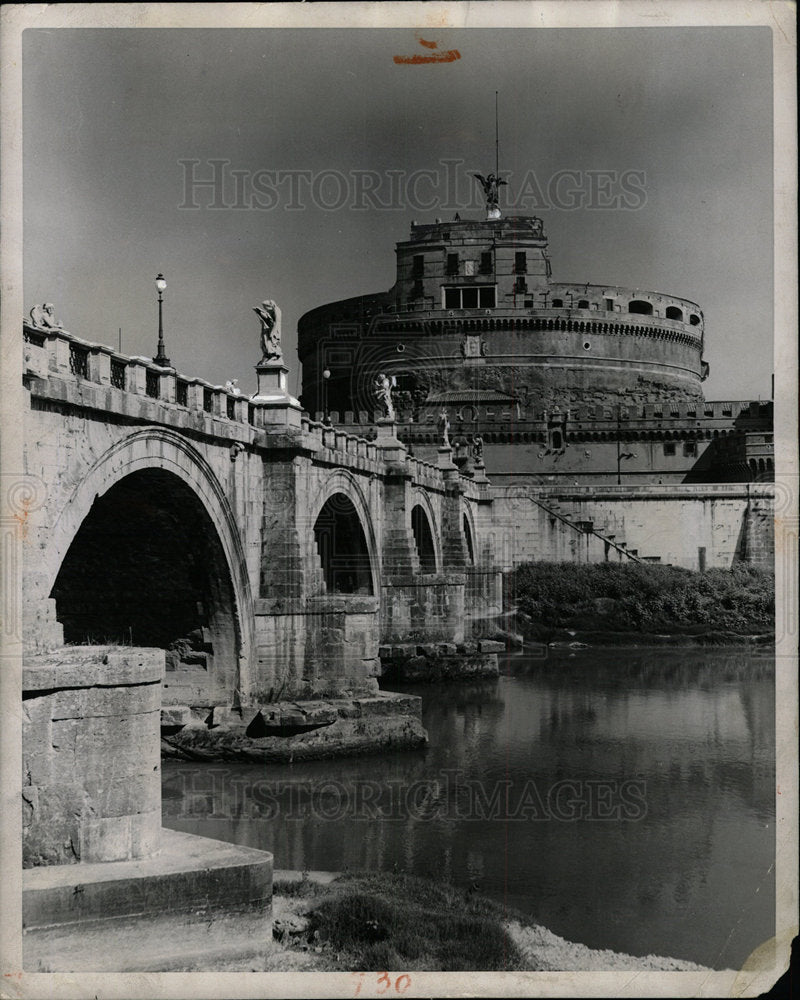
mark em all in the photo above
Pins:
pixel 161 358
pixel 325 378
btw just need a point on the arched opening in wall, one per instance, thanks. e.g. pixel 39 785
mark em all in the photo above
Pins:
pixel 694 320
pixel 558 303
pixel 423 539
pixel 342 548
pixel 583 303
pixel 147 568
pixel 673 312
pixel 468 542
pixel 640 306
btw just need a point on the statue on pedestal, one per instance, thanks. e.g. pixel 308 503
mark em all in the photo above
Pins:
pixel 383 392
pixel 477 449
pixel 444 429
pixel 270 316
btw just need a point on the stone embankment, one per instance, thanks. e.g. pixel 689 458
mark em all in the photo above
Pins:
pixel 290 731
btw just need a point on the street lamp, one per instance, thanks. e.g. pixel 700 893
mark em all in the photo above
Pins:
pixel 325 378
pixel 161 358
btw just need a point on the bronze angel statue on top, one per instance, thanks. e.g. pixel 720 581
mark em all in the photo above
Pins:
pixel 490 187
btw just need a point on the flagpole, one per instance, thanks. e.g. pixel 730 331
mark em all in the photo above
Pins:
pixel 496 140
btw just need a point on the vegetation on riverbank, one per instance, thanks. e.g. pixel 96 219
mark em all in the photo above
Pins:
pixel 374 921
pixel 641 598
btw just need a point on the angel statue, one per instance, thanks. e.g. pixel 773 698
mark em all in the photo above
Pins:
pixel 44 317
pixel 444 428
pixel 270 316
pixel 383 391
pixel 490 187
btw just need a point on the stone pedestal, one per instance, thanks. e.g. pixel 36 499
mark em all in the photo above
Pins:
pixel 479 472
pixel 273 403
pixel 91 755
pixel 445 459
pixel 392 449
pixel 104 887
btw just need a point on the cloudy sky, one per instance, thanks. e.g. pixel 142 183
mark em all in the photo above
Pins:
pixel 305 122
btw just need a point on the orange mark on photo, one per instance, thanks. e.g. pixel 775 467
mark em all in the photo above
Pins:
pixel 450 55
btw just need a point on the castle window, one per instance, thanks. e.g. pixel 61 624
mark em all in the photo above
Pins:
pixel 470 297
pixel 694 320
pixel 673 312
pixel 639 306
pixel 182 392
pixel 609 305
pixel 689 448
pixel 520 285
pixel 416 290
pixel 452 263
pixel 558 303
pixel 583 303
pixel 669 447
pixel 486 262
pixel 152 384
pixel 520 262
pixel 418 268
pixel 556 440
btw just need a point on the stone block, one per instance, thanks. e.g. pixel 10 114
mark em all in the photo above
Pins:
pixel 446 648
pixel 176 715
pixel 491 646
pixel 224 715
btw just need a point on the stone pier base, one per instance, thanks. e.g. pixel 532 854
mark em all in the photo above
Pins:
pixel 432 662
pixel 291 731
pixel 195 903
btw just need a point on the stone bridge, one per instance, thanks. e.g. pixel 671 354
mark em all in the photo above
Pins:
pixel 268 554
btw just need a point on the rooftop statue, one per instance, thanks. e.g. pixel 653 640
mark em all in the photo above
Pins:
pixel 490 187
pixel 270 316
pixel 44 317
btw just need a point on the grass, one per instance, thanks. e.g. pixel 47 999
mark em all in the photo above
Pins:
pixel 379 921
pixel 638 597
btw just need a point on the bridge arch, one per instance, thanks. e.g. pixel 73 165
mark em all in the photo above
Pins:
pixel 153 489
pixel 341 506
pixel 424 531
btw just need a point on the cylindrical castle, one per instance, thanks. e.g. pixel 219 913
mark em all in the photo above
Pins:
pixel 474 308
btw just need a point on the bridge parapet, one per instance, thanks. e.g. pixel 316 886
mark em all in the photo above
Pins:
pixel 55 352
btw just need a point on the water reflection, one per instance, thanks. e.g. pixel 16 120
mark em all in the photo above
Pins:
pixel 623 798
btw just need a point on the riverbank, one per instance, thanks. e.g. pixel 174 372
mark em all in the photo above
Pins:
pixel 642 604
pixel 376 921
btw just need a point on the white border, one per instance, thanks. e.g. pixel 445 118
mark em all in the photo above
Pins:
pixel 780 17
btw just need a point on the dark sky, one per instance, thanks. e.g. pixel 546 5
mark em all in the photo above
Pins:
pixel 110 113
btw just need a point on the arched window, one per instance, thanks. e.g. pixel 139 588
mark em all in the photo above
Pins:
pixel 673 312
pixel 558 303
pixel 423 539
pixel 583 303
pixel 640 306
pixel 694 320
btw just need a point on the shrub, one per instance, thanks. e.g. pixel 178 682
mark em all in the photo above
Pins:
pixel 643 596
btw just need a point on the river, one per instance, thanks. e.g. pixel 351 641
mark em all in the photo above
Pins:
pixel 622 798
